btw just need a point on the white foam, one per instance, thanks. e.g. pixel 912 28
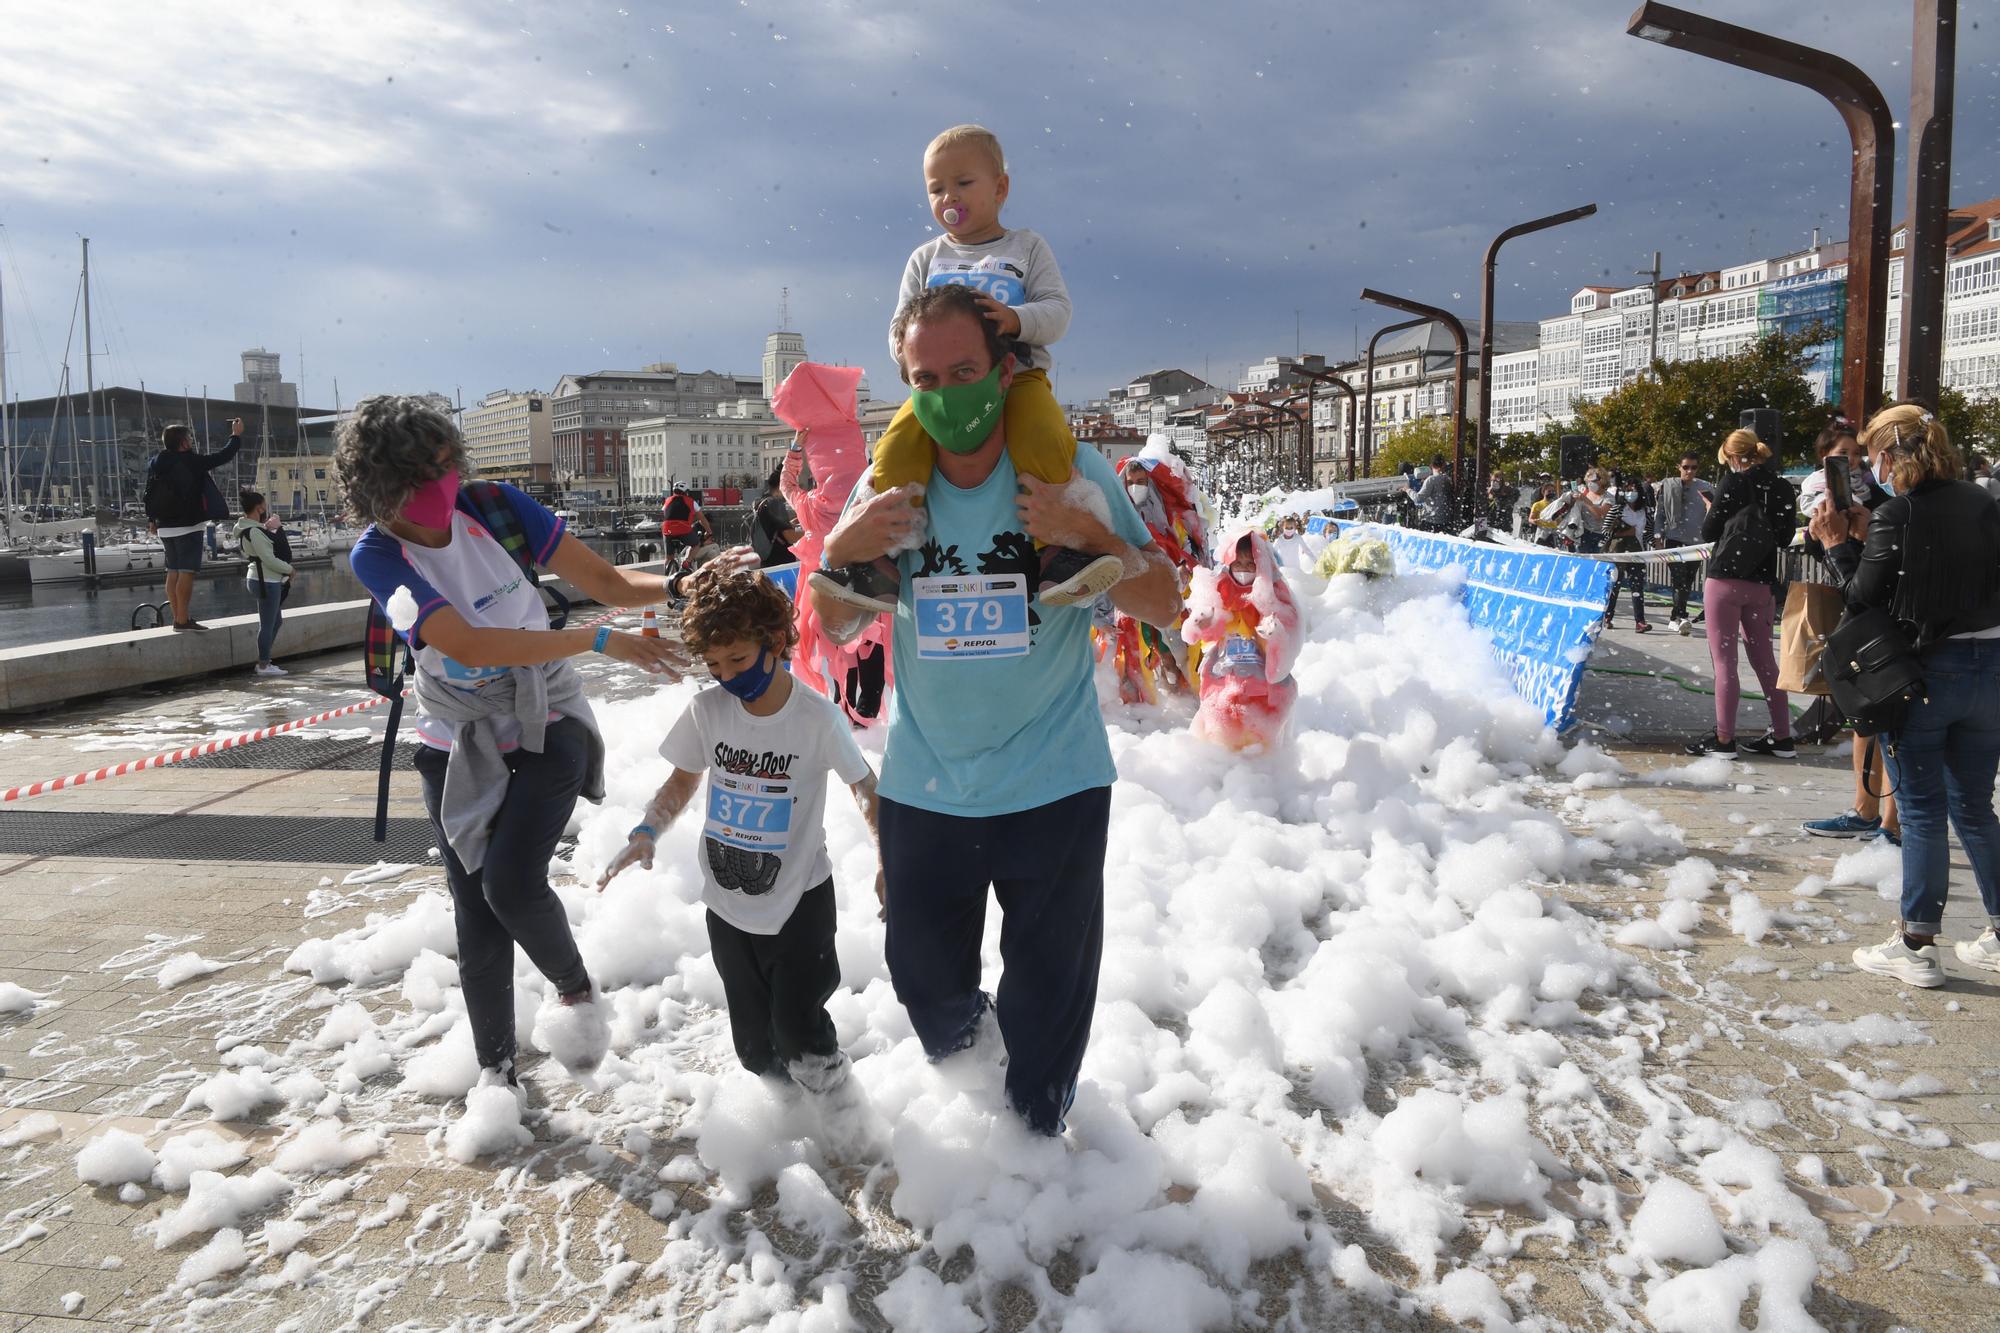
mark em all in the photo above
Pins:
pixel 491 1123
pixel 326 1146
pixel 402 610
pixel 16 999
pixel 219 1201
pixel 200 1150
pixel 1675 1223
pixel 115 1157
pixel 186 967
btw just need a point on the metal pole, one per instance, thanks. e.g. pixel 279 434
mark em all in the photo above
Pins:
pixel 1933 54
pixel 1457 330
pixel 1354 417
pixel 1486 330
pixel 6 435
pixel 1368 391
pixel 1653 309
pixel 1317 377
pixel 90 378
pixel 1872 137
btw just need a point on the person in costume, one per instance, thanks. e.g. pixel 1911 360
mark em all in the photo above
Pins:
pixel 818 475
pixel 1243 615
pixel 1147 660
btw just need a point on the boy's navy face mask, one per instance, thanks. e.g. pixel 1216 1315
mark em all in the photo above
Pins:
pixel 750 683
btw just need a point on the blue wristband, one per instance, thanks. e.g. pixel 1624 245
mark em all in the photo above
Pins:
pixel 603 637
pixel 646 829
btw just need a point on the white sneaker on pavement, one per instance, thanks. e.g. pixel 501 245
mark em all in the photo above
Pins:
pixel 269 669
pixel 1983 952
pixel 1893 958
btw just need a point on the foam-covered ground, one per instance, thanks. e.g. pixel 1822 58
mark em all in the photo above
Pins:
pixel 1353 1053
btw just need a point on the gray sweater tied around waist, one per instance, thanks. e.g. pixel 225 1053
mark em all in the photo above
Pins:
pixel 476 776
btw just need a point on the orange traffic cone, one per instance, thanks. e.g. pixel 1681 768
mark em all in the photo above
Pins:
pixel 649 624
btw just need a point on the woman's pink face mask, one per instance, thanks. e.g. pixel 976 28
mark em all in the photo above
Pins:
pixel 430 505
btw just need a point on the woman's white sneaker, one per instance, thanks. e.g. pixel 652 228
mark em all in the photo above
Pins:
pixel 1893 958
pixel 1983 952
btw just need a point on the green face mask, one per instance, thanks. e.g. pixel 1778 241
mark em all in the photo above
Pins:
pixel 960 416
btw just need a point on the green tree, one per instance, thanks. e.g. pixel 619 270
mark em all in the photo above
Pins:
pixel 1416 443
pixel 1649 423
pixel 1524 454
pixel 1973 424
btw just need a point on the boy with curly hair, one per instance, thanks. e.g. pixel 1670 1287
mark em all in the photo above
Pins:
pixel 766 745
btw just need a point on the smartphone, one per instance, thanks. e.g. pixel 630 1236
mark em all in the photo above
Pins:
pixel 1839 492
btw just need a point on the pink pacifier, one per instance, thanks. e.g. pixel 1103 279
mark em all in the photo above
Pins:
pixel 953 216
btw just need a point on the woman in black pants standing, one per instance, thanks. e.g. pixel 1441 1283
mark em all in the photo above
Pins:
pixel 508 738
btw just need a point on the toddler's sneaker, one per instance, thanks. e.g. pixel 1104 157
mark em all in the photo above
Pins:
pixel 1770 747
pixel 1849 825
pixel 1070 576
pixel 1893 958
pixel 865 587
pixel 1983 952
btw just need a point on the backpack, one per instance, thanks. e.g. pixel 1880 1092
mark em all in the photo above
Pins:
pixel 1750 536
pixel 379 659
pixel 173 495
pixel 766 526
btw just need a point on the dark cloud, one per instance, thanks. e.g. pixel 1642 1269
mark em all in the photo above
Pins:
pixel 491 196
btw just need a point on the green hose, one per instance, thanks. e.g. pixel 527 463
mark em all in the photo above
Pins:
pixel 1689 686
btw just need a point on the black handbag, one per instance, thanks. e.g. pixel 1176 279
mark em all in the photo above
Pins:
pixel 1872 670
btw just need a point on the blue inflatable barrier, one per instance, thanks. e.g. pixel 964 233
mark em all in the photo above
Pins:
pixel 786 577
pixel 1544 609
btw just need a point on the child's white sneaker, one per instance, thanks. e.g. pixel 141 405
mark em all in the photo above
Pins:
pixel 1983 952
pixel 1893 958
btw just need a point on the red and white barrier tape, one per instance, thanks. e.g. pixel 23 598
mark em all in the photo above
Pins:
pixel 212 747
pixel 175 756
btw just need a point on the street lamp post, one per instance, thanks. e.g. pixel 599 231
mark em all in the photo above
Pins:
pixel 1304 423
pixel 1318 377
pixel 1482 455
pixel 1450 321
pixel 1871 132
pixel 1368 391
pixel 1933 53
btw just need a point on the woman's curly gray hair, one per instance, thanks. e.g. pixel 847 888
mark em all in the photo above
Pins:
pixel 388 448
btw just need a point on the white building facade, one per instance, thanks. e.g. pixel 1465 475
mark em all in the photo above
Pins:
pixel 699 451
pixel 510 436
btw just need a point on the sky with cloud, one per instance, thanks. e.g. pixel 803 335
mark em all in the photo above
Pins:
pixel 449 196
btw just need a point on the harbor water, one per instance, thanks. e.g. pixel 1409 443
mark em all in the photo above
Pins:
pixel 50 612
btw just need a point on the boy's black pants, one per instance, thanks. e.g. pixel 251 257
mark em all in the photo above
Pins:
pixel 778 986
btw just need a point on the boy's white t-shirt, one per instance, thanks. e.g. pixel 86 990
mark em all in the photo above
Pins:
pixel 763 807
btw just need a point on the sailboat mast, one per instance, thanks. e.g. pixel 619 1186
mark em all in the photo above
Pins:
pixel 90 379
pixel 6 435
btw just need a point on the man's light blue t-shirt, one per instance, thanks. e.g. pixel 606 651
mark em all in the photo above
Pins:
pixel 992 736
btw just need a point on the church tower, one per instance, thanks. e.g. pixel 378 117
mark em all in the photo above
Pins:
pixel 783 349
